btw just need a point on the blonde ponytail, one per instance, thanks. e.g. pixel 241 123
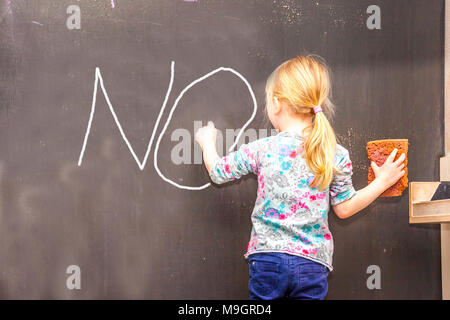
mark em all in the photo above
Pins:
pixel 304 83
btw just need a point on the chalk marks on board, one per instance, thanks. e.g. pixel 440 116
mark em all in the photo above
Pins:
pixel 141 165
pixel 99 79
pixel 180 96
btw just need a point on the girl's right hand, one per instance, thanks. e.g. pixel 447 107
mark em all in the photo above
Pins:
pixel 206 135
pixel 391 171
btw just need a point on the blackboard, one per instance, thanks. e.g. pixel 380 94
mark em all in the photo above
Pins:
pixel 133 234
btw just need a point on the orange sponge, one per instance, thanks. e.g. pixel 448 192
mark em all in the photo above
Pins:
pixel 378 151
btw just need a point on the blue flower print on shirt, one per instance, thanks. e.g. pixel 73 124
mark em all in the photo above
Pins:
pixel 266 219
pixel 301 238
pixel 283 150
pixel 304 183
pixel 285 165
pixel 272 213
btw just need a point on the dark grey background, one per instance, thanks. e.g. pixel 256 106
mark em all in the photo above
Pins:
pixel 135 236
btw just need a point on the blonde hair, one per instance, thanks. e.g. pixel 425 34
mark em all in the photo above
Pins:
pixel 304 83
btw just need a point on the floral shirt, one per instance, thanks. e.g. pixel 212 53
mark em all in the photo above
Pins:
pixel 289 216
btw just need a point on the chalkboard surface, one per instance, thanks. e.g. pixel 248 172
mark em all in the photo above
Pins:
pixel 134 233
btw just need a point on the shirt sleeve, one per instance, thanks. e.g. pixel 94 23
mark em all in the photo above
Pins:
pixel 236 164
pixel 341 188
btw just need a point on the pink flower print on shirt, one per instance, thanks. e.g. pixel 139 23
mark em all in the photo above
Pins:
pixel 251 245
pixel 261 185
pixel 272 213
pixel 301 148
pixel 327 236
pixel 310 180
pixel 302 205
pixel 321 195
pixel 253 164
pixel 293 208
pixel 284 150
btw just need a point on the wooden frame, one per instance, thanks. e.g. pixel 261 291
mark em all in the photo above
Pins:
pixel 445 227
pixel 421 209
pixel 445 161
pixel 419 192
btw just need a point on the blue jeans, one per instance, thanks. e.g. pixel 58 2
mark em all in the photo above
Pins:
pixel 276 275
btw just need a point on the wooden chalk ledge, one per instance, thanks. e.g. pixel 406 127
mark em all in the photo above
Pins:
pixel 429 202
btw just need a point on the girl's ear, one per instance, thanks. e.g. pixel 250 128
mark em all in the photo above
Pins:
pixel 276 105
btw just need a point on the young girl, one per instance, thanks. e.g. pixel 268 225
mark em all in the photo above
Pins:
pixel 300 171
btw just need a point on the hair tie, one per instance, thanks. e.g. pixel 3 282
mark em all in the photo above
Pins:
pixel 317 109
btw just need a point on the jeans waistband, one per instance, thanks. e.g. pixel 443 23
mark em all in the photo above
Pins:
pixel 280 257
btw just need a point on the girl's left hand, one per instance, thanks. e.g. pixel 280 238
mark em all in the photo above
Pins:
pixel 206 135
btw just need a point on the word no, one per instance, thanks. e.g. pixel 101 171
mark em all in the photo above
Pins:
pixel 141 164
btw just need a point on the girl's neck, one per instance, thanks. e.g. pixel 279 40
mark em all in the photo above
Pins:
pixel 296 124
